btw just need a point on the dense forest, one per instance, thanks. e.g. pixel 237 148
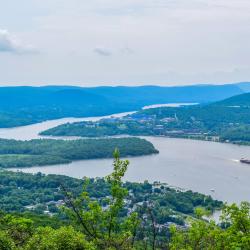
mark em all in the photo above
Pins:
pixel 26 105
pixel 48 151
pixel 107 214
pixel 218 121
pixel 21 192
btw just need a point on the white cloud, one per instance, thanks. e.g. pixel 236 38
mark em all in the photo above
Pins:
pixel 141 40
pixel 103 52
pixel 9 43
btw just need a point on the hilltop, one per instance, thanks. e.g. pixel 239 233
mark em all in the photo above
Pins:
pixel 242 100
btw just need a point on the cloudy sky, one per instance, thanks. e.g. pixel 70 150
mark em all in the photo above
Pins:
pixel 129 42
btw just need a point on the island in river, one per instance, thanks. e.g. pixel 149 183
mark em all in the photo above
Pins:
pixel 48 151
pixel 189 164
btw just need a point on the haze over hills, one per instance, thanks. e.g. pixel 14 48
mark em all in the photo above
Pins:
pixel 26 105
pixel 138 96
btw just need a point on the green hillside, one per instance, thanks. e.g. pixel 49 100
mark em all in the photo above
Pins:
pixel 228 120
pixel 27 105
pixel 14 154
pixel 238 100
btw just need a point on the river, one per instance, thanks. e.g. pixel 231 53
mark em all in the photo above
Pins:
pixel 30 132
pixel 206 167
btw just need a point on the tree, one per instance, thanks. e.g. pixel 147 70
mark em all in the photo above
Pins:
pixel 104 227
pixel 234 232
pixel 64 238
pixel 19 229
pixel 6 243
pixel 237 222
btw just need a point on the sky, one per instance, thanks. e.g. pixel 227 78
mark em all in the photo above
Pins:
pixel 128 42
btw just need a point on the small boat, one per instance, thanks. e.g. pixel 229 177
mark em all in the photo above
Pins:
pixel 242 160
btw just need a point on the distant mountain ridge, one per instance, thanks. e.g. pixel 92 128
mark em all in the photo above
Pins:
pixel 138 96
pixel 26 105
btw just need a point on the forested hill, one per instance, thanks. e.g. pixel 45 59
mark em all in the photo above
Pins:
pixel 227 120
pixel 242 100
pixel 27 105
pixel 48 152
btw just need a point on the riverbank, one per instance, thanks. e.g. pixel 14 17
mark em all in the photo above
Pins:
pixel 189 164
pixel 206 167
pixel 210 139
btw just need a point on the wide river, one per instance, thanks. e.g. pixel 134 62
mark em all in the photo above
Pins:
pixel 207 167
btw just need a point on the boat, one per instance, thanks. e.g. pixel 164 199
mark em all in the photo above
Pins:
pixel 243 160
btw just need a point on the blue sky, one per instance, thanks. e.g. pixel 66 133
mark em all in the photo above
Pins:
pixel 129 42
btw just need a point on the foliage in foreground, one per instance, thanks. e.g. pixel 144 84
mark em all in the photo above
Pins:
pixel 104 227
pixel 93 227
pixel 233 233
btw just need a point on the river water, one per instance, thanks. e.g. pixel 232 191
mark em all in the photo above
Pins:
pixel 206 167
pixel 30 132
